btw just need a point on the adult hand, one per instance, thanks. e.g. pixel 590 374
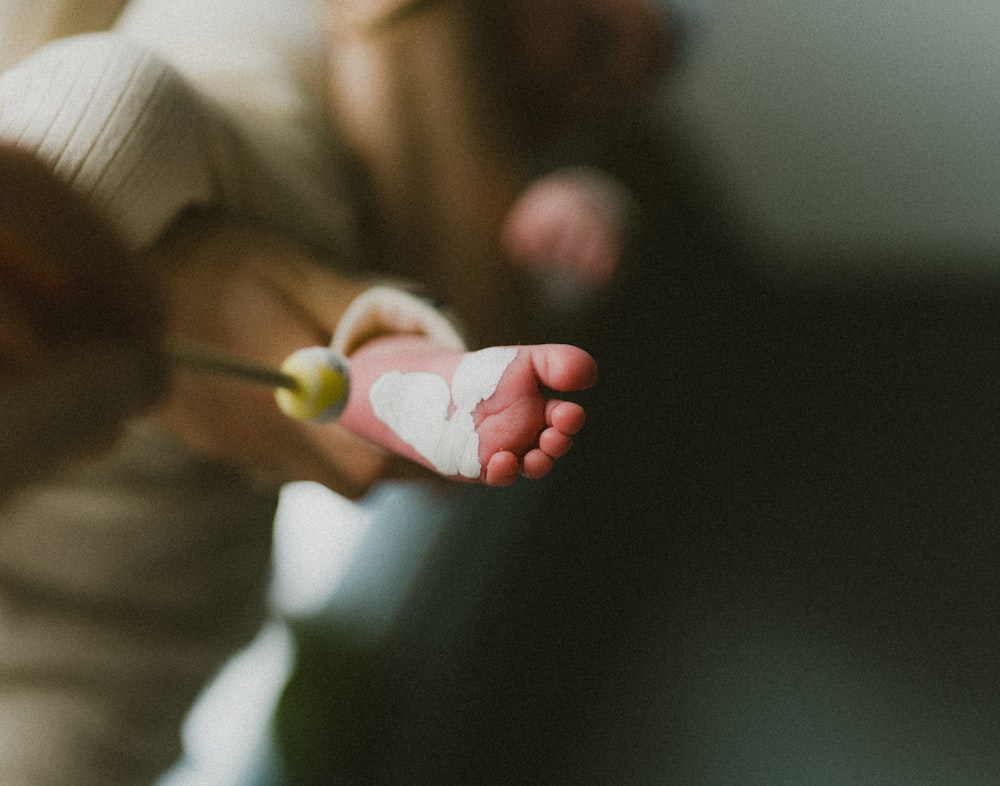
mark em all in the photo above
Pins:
pixel 79 329
pixel 258 297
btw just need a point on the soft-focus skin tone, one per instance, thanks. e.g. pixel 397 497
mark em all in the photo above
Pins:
pixel 573 223
pixel 413 107
pixel 79 327
pixel 574 61
pixel 262 298
pixel 82 333
pixel 458 205
pixel 258 297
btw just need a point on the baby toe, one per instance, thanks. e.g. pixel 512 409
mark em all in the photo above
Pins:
pixel 565 416
pixel 537 464
pixel 502 469
pixel 555 443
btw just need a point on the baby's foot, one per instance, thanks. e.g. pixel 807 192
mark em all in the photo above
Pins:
pixel 571 225
pixel 480 416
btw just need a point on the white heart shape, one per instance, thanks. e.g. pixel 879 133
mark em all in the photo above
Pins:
pixel 415 406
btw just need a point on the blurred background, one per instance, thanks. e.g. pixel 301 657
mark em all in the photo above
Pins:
pixel 772 557
pixel 844 123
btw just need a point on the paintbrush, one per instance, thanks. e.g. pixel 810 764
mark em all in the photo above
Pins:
pixel 311 384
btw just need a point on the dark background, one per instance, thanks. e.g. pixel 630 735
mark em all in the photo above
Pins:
pixel 770 559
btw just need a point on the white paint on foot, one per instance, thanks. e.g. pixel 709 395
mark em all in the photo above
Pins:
pixel 416 406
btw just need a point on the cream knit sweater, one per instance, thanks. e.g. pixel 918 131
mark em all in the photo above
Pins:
pixel 180 102
pixel 126 582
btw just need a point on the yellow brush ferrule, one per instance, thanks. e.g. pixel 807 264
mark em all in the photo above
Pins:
pixel 323 379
